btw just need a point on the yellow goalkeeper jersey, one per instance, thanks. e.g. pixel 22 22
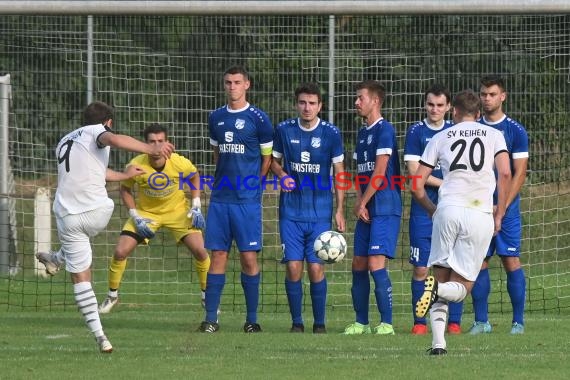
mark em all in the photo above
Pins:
pixel 159 192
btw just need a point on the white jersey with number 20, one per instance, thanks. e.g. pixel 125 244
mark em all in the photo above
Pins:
pixel 466 153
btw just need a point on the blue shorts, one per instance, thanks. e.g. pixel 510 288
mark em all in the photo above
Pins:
pixel 420 240
pixel 380 237
pixel 297 239
pixel 226 222
pixel 508 240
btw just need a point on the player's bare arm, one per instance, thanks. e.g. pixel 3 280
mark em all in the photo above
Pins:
pixel 339 195
pixel 134 145
pixel 130 172
pixel 419 191
pixel 413 166
pixel 265 164
pixel 127 197
pixel 503 168
pixel 518 178
pixel 379 172
pixel 288 183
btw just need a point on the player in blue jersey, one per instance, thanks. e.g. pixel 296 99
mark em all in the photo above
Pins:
pixel 378 208
pixel 437 102
pixel 507 244
pixel 305 150
pixel 242 137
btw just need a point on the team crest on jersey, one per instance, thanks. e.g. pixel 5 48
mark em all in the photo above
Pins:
pixel 305 156
pixel 229 136
pixel 369 140
pixel 240 123
pixel 316 142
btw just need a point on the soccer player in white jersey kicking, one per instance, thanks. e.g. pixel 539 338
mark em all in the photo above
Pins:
pixel 437 99
pixel 161 202
pixel 82 207
pixel 242 138
pixel 305 149
pixel 463 220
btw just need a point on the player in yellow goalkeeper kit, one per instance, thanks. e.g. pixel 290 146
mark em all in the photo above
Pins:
pixel 161 202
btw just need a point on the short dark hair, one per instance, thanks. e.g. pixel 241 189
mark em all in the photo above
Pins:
pixel 310 88
pixel 373 87
pixel 237 69
pixel 467 102
pixel 493 80
pixel 97 113
pixel 155 128
pixel 438 89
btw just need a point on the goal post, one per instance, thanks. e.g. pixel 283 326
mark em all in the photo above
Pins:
pixel 8 235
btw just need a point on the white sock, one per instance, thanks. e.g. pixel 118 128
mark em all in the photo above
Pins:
pixel 87 303
pixel 451 291
pixel 438 320
pixel 113 293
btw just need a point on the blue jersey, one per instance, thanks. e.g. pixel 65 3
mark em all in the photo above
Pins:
pixel 417 137
pixel 239 135
pixel 380 139
pixel 517 145
pixel 308 157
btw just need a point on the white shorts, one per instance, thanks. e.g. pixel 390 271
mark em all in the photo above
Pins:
pixel 460 238
pixel 74 231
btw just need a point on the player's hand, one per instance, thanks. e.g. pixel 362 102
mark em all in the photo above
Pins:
pixel 361 212
pixel 164 149
pixel 142 224
pixel 133 171
pixel 195 214
pixel 287 184
pixel 340 221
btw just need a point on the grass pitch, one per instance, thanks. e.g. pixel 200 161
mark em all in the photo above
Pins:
pixel 155 345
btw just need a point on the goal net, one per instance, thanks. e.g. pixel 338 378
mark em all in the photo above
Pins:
pixel 168 70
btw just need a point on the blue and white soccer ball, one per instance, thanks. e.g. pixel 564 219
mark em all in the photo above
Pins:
pixel 330 247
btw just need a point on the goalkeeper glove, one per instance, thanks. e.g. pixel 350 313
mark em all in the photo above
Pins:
pixel 141 224
pixel 195 213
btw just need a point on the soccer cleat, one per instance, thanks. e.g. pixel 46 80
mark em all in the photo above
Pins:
pixel 108 304
pixel 384 329
pixel 480 328
pixel 249 327
pixel 357 329
pixel 319 329
pixel 49 262
pixel 297 328
pixel 437 351
pixel 104 344
pixel 517 328
pixel 454 328
pixel 209 327
pixel 428 298
pixel 419 329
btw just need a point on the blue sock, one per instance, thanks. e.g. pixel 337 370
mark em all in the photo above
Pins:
pixel 294 290
pixel 516 286
pixel 360 295
pixel 250 285
pixel 455 310
pixel 480 295
pixel 214 286
pixel 319 301
pixel 417 291
pixel 383 293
